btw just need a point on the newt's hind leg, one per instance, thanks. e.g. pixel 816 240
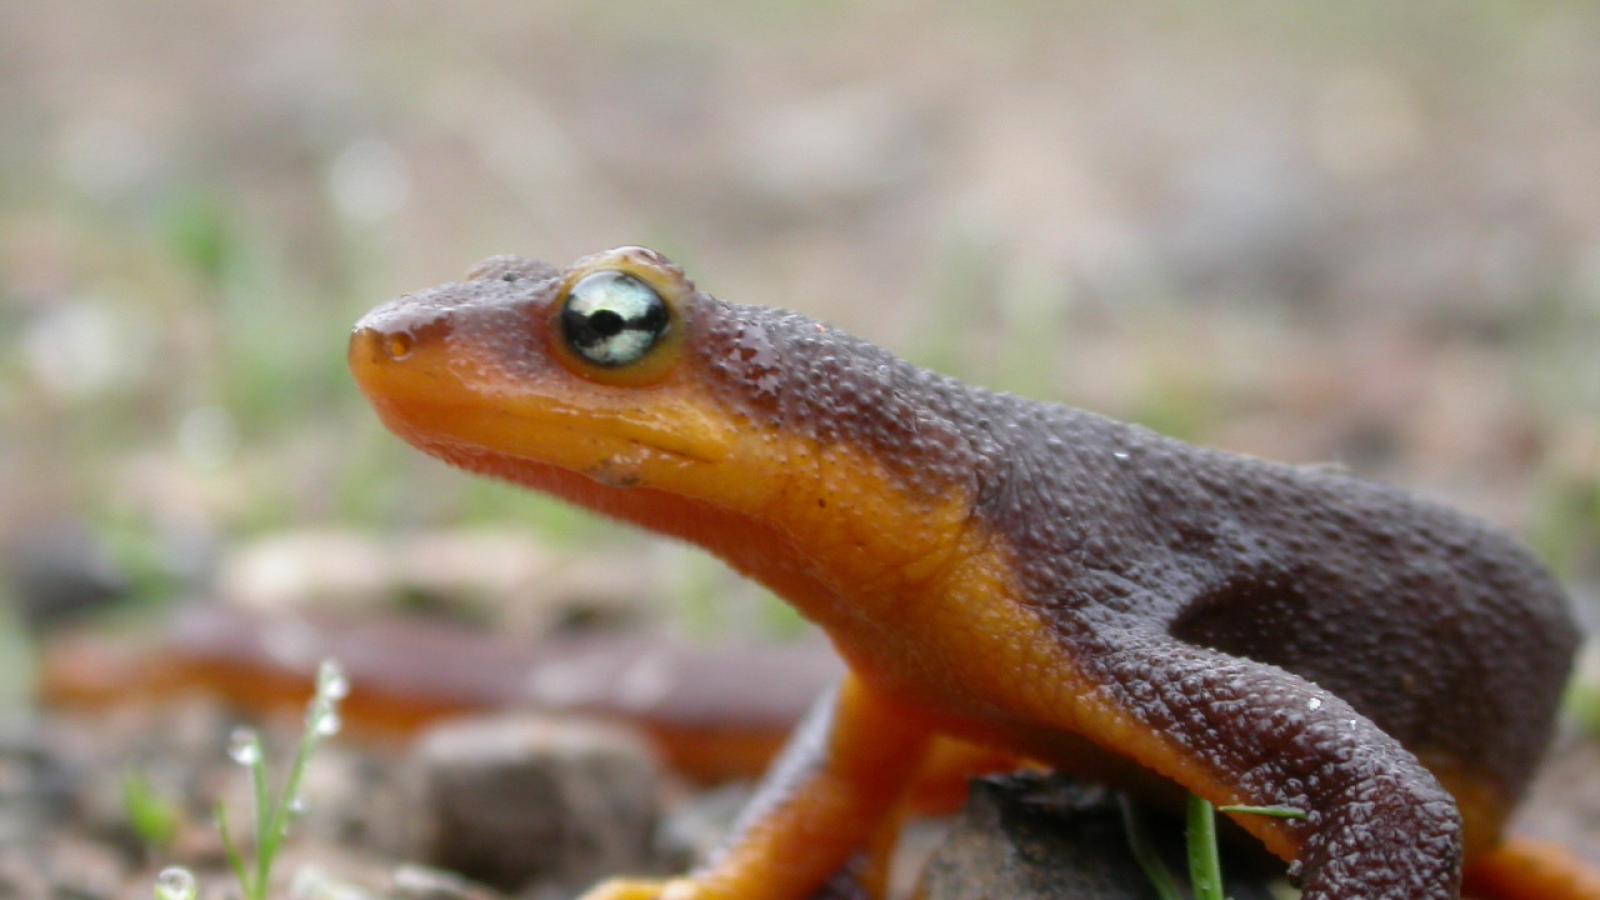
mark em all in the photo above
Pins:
pixel 1235 731
pixel 833 792
pixel 1530 870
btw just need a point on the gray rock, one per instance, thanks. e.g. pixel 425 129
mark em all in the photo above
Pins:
pixel 1037 837
pixel 61 572
pixel 41 784
pixel 513 800
pixel 422 883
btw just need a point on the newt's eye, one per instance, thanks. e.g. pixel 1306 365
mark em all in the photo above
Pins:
pixel 613 319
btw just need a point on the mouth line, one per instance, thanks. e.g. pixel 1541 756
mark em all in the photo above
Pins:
pixel 560 422
pixel 612 427
pixel 480 459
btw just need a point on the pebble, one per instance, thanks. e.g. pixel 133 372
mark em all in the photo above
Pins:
pixel 1045 837
pixel 510 800
pixel 413 882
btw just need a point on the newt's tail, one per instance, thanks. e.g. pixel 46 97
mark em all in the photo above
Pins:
pixel 1521 869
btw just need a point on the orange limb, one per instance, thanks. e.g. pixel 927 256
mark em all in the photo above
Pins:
pixel 834 793
pixel 1531 870
pixel 942 783
pixel 831 793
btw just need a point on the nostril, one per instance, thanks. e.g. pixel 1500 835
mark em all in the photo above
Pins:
pixel 373 345
pixel 397 345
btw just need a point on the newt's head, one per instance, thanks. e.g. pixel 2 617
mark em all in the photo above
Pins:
pixel 616 384
pixel 523 368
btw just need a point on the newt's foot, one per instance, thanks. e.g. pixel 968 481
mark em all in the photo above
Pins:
pixel 636 889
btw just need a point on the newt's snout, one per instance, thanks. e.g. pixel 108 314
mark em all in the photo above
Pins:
pixel 391 331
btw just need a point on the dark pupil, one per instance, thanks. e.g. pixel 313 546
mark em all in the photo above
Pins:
pixel 606 322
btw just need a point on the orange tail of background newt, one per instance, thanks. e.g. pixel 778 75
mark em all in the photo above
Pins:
pixel 1025 576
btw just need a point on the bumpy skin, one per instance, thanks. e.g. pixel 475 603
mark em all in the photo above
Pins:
pixel 1023 575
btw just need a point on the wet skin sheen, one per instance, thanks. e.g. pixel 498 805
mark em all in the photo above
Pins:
pixel 1004 573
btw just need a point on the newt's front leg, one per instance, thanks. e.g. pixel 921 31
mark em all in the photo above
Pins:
pixel 838 781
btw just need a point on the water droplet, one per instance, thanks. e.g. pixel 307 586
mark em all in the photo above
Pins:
pixel 1315 703
pixel 327 724
pixel 175 883
pixel 332 683
pixel 1121 455
pixel 297 806
pixel 244 746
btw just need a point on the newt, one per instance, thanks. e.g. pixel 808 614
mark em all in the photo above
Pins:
pixel 711 714
pixel 1017 575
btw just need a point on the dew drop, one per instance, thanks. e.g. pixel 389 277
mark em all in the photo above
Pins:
pixel 244 746
pixel 175 883
pixel 1315 703
pixel 328 724
pixel 332 683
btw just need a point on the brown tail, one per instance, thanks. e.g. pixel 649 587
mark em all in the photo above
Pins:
pixel 1531 870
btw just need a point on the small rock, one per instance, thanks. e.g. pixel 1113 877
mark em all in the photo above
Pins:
pixel 312 883
pixel 61 572
pixel 81 868
pixel 20 875
pixel 510 581
pixel 508 800
pixel 333 569
pixel 1042 837
pixel 40 783
pixel 413 882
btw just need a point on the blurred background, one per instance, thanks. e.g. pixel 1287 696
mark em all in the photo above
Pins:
pixel 1366 234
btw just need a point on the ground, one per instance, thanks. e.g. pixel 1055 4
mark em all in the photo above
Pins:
pixel 1362 235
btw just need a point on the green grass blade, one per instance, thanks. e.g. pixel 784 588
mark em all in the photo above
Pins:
pixel 231 850
pixel 278 821
pixel 154 818
pixel 265 816
pixel 1205 865
pixel 1139 844
pixel 1271 812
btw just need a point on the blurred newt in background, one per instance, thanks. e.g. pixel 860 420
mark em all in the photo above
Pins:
pixel 704 724
pixel 1019 575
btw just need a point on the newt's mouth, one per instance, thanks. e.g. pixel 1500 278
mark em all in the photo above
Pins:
pixel 439 393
